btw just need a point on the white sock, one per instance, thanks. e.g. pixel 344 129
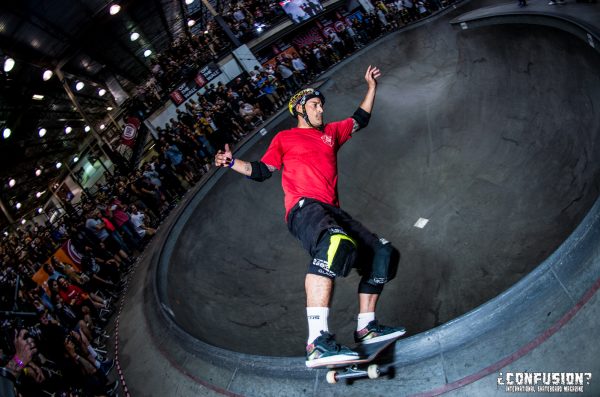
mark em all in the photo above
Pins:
pixel 317 322
pixel 364 319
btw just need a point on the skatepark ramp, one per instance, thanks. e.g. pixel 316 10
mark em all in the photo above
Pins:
pixel 491 134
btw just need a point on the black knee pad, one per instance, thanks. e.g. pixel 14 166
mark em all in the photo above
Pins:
pixel 338 250
pixel 384 268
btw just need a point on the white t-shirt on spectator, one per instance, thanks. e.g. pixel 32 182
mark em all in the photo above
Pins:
pixel 285 71
pixel 334 37
pixel 246 109
pixel 298 64
pixel 138 222
pixel 239 15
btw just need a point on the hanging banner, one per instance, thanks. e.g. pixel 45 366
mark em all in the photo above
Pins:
pixel 132 126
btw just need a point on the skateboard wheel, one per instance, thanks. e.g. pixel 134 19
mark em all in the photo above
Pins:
pixel 373 371
pixel 331 377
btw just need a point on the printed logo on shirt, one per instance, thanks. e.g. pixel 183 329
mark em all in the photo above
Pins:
pixel 327 139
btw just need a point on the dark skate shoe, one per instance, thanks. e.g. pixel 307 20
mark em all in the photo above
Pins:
pixel 325 350
pixel 375 332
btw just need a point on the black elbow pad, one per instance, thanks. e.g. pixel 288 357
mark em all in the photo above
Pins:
pixel 260 171
pixel 362 117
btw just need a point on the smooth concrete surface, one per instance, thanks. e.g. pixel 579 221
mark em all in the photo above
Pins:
pixel 518 121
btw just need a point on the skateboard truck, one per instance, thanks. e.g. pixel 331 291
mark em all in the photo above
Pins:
pixel 353 371
pixel 361 367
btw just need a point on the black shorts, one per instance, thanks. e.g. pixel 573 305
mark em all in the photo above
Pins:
pixel 310 220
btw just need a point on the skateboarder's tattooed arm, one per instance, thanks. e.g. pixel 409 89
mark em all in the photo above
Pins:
pixel 355 126
pixel 243 167
pixel 256 170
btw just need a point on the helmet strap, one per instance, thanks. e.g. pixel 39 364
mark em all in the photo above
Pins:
pixel 305 117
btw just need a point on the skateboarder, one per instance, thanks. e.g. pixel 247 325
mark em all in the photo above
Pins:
pixel 337 243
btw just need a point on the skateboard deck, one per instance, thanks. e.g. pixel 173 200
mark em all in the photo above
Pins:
pixel 355 368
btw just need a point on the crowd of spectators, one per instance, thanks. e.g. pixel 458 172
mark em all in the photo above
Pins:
pixel 247 19
pixel 65 306
pixel 66 315
pixel 181 62
pixel 224 114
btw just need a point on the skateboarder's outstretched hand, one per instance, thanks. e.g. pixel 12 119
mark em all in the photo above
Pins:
pixel 372 75
pixel 223 158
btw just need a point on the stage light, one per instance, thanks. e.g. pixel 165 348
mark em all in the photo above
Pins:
pixel 147 53
pixel 101 92
pixel 12 182
pixel 87 128
pixel 6 133
pixel 42 132
pixel 47 75
pixel 38 172
pixel 18 205
pixel 68 130
pixel 9 64
pixel 134 36
pixel 191 23
pixel 114 9
pixel 58 165
pixel 79 86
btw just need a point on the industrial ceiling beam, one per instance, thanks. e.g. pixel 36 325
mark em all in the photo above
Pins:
pixel 163 19
pixel 184 25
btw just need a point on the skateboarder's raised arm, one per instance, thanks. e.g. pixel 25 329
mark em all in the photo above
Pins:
pixel 363 113
pixel 256 170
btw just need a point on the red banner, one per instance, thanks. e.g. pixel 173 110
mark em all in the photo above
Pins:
pixel 130 131
pixel 177 98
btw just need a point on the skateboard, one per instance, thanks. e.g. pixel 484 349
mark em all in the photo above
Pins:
pixel 356 368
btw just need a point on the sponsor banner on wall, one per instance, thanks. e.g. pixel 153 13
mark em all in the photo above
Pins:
pixel 186 89
pixel 65 254
pixel 132 126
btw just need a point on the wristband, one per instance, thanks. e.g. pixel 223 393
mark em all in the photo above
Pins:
pixel 18 361
pixel 232 162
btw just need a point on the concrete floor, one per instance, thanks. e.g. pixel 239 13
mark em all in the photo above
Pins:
pixel 489 135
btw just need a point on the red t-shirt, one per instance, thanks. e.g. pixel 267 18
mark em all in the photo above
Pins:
pixel 309 160
pixel 73 292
